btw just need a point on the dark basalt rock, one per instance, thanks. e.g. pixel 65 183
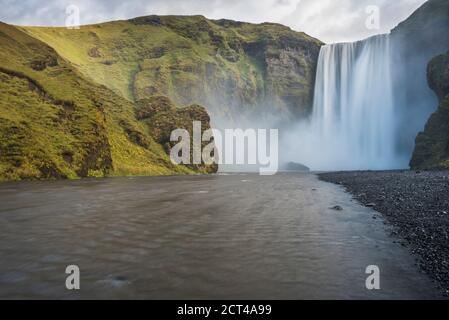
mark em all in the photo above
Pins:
pixel 293 166
pixel 432 145
pixel 337 208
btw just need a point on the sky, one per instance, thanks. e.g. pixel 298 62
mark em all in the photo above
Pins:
pixel 328 20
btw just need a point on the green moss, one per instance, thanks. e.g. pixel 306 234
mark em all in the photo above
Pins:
pixel 55 123
pixel 432 145
pixel 68 96
pixel 162 117
pixel 221 64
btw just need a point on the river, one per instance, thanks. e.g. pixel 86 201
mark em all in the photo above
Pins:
pixel 240 236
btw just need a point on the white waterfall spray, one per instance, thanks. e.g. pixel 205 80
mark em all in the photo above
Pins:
pixel 353 121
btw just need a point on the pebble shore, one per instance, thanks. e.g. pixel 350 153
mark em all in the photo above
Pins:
pixel 416 204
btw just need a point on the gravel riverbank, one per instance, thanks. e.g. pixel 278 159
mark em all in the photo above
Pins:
pixel 416 204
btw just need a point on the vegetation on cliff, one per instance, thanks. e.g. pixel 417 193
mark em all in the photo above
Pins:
pixel 72 100
pixel 415 42
pixel 55 123
pixel 232 68
pixel 432 145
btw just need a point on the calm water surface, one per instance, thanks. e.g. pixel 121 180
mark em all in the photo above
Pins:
pixel 221 236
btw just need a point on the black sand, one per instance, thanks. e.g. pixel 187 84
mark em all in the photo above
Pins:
pixel 416 204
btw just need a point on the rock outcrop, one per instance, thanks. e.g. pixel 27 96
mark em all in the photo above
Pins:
pixel 161 116
pixel 415 42
pixel 432 145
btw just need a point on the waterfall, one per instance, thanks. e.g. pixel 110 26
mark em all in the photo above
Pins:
pixel 353 121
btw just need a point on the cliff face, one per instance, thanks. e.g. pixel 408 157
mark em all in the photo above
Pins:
pixel 55 123
pixel 236 70
pixel 415 42
pixel 75 102
pixel 420 38
pixel 432 145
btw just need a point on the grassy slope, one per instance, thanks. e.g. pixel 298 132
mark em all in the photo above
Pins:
pixel 54 123
pixel 69 96
pixel 219 64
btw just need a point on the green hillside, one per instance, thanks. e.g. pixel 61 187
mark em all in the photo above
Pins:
pixel 232 68
pixel 70 98
pixel 56 123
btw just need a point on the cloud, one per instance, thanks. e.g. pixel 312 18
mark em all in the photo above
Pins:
pixel 345 20
pixel 328 20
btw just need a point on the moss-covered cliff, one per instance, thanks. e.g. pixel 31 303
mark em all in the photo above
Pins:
pixel 432 145
pixel 55 123
pixel 73 101
pixel 234 69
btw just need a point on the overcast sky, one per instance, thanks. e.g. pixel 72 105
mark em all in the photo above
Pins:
pixel 328 20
